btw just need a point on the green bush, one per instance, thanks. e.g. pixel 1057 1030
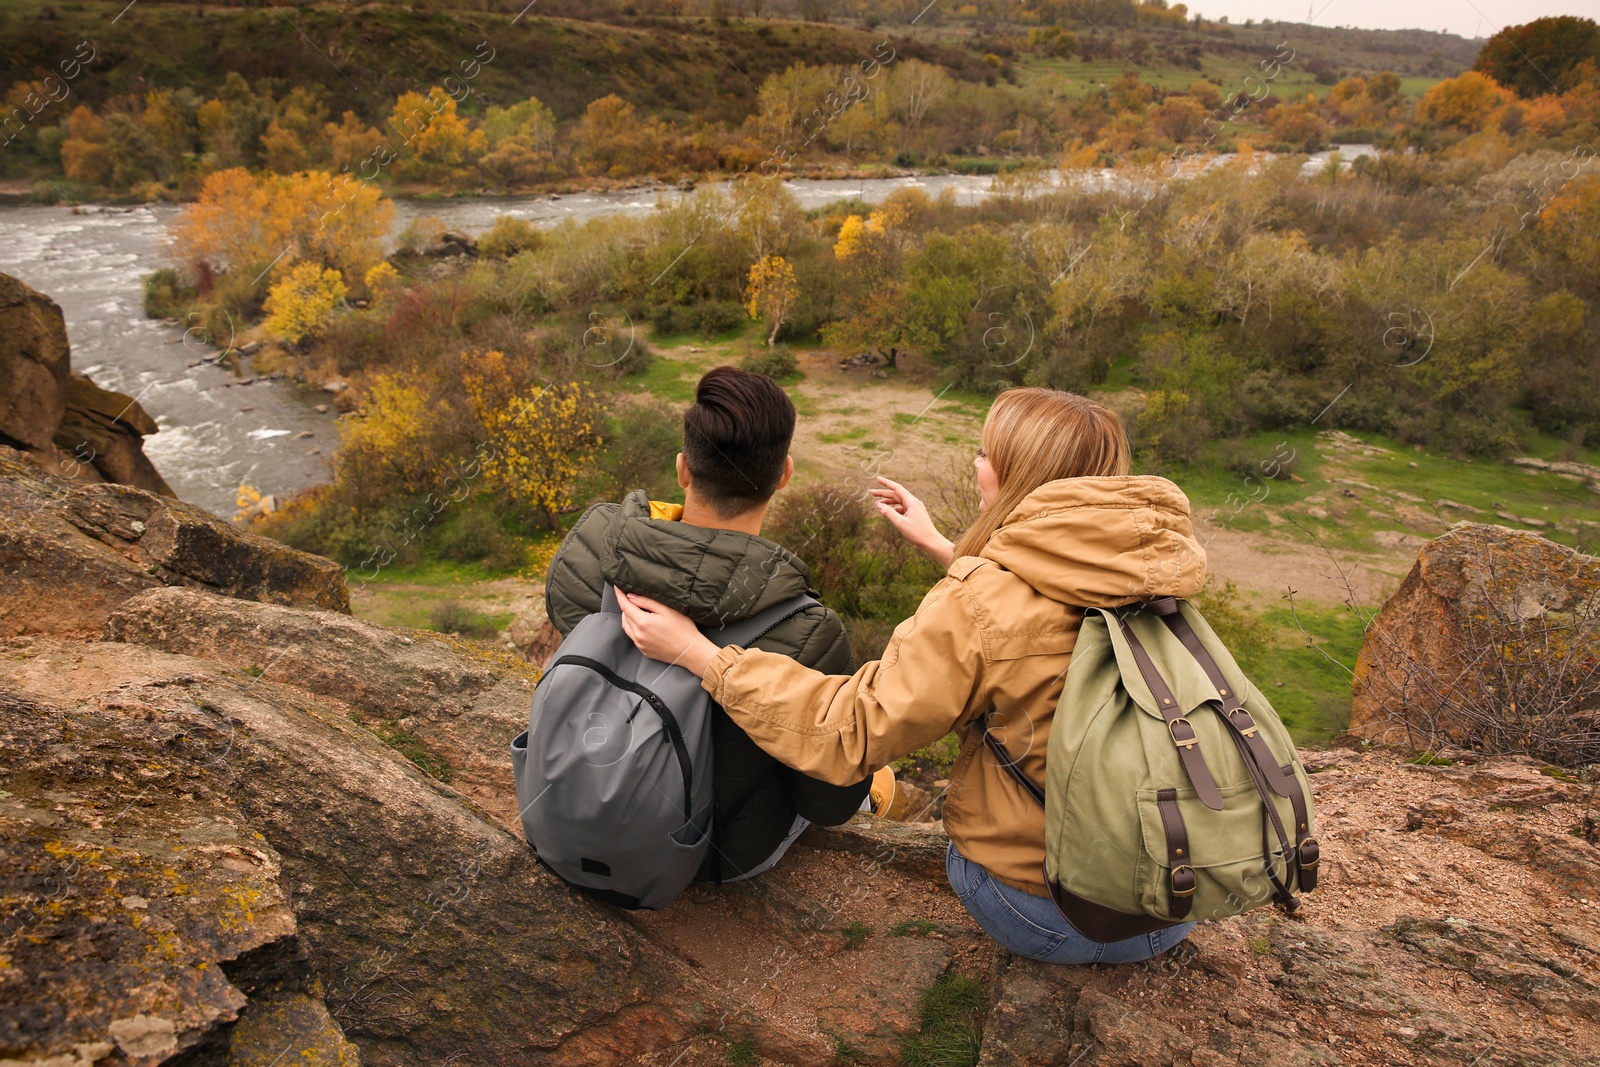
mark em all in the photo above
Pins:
pixel 508 236
pixel 1246 634
pixel 641 446
pixel 776 362
pixel 450 617
pixel 165 296
pixel 475 537
pixel 713 317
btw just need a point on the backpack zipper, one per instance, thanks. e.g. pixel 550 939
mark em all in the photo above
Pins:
pixel 668 721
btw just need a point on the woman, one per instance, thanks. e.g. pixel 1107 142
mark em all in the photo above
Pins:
pixel 1063 526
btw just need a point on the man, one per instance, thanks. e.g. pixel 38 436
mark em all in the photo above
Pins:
pixel 707 559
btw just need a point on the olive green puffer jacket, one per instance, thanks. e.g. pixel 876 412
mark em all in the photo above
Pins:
pixel 715 577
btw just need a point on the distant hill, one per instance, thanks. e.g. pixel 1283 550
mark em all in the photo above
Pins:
pixel 675 66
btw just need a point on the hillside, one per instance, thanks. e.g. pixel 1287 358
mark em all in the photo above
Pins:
pixel 364 58
pixel 676 67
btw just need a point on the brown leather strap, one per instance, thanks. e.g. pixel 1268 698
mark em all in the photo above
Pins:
pixel 1233 710
pixel 1269 809
pixel 1098 922
pixel 1180 876
pixel 1305 846
pixel 1180 728
pixel 1012 767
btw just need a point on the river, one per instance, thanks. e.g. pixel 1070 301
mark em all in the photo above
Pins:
pixel 220 430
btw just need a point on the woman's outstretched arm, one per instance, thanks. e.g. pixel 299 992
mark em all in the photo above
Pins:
pixel 839 728
pixel 909 515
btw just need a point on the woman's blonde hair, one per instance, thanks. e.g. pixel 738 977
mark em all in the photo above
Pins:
pixel 1033 436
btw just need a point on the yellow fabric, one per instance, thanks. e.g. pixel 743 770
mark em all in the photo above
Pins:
pixel 670 512
pixel 992 639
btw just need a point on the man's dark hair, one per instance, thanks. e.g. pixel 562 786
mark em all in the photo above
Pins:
pixel 736 437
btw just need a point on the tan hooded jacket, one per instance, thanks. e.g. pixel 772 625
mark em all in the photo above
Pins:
pixel 990 642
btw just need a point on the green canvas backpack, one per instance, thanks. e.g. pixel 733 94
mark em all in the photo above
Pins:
pixel 1173 792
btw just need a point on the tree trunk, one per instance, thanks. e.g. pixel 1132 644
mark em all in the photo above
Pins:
pixel 889 359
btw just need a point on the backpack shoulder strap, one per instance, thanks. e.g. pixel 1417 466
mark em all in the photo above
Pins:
pixel 1012 767
pixel 746 631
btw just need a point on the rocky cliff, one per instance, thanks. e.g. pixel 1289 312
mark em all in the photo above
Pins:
pixel 238 827
pixel 66 422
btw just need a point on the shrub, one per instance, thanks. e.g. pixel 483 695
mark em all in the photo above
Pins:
pixel 509 236
pixel 639 455
pixel 451 617
pixel 302 301
pixel 475 537
pixel 165 296
pixel 1245 634
pixel 420 235
pixel 776 362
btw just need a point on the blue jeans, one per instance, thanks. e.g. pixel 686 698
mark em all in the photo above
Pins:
pixel 1033 927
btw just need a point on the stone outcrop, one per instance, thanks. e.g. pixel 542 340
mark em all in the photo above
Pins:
pixel 462 700
pixel 66 422
pixel 70 553
pixel 1491 642
pixel 243 833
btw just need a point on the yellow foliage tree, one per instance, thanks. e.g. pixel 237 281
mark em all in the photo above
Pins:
pixel 540 440
pixel 302 300
pixel 771 292
pixel 1466 102
pixel 389 432
pixel 439 139
pixel 250 223
pixel 381 279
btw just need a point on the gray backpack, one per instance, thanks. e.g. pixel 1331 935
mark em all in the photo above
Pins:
pixel 614 771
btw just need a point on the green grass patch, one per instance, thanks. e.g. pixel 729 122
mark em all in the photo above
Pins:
pixel 845 1051
pixel 913 928
pixel 1428 759
pixel 852 433
pixel 671 377
pixel 412 748
pixel 950 1022
pixel 1313 659
pixel 855 935
pixel 742 1053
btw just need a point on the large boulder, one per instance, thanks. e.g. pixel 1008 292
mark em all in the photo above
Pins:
pixel 70 553
pixel 33 365
pixel 1491 642
pixel 103 428
pixel 243 812
pixel 462 700
pixel 66 422
pixel 142 920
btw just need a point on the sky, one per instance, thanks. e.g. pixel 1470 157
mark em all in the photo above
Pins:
pixel 1469 18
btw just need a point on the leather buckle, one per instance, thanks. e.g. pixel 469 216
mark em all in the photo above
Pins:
pixel 1309 847
pixel 1193 882
pixel 1247 730
pixel 1182 742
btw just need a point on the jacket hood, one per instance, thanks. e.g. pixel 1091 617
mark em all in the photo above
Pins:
pixel 1102 541
pixel 716 577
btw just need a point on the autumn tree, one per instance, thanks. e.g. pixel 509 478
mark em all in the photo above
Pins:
pixel 251 223
pixel 539 441
pixel 611 140
pixel 302 300
pixel 1465 102
pixel 771 292
pixel 521 144
pixel 1298 125
pixel 85 155
pixel 1538 57
pixel 437 139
